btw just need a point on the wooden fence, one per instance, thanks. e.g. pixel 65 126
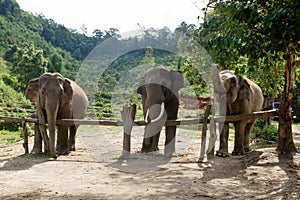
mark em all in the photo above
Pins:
pixel 128 114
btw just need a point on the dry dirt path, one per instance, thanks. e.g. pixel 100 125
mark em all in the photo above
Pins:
pixel 96 170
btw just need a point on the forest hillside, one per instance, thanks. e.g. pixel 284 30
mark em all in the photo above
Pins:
pixel 31 44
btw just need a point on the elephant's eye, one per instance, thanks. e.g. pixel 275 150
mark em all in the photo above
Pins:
pixel 43 92
pixel 60 92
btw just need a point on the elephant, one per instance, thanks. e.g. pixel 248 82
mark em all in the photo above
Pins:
pixel 57 97
pixel 236 95
pixel 159 88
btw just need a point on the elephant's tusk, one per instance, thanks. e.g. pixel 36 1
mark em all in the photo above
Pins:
pixel 162 110
pixel 216 80
pixel 147 115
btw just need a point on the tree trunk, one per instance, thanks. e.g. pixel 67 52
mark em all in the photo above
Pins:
pixel 285 135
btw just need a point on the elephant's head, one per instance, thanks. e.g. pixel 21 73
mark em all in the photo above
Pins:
pixel 158 86
pixel 51 92
pixel 226 82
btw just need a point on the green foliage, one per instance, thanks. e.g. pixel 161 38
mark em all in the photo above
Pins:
pixel 148 59
pixel 12 103
pixel 5 74
pixel 197 84
pixel 264 131
pixel 9 8
pixel 23 28
pixel 27 63
pixel 56 63
pixel 251 38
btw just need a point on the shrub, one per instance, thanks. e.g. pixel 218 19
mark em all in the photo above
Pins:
pixel 264 131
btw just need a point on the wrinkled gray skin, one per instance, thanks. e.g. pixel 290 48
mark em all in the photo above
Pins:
pixel 159 91
pixel 58 98
pixel 236 95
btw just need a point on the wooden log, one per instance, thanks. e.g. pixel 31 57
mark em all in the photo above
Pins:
pixel 25 137
pixel 128 116
pixel 202 157
pixel 120 123
pixel 231 118
pixel 71 122
pixel 234 118
pixel 18 119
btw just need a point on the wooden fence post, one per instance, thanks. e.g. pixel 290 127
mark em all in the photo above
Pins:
pixel 128 116
pixel 213 136
pixel 202 157
pixel 25 130
pixel 42 129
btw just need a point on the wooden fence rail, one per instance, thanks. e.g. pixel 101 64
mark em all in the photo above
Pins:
pixel 212 121
pixel 231 118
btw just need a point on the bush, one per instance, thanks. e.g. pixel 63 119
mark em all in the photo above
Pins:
pixel 264 131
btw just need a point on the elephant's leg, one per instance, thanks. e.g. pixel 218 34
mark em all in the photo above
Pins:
pixel 151 137
pixel 73 130
pixel 170 141
pixel 62 140
pixel 239 138
pixel 223 149
pixel 37 146
pixel 154 146
pixel 147 144
pixel 147 141
pixel 247 136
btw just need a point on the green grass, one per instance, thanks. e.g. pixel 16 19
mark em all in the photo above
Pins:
pixel 7 137
pixel 297 145
pixel 38 155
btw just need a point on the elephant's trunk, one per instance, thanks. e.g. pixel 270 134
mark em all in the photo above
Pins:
pixel 159 117
pixel 217 82
pixel 51 117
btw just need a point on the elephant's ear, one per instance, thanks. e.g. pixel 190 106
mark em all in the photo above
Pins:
pixel 244 91
pixel 141 87
pixel 32 90
pixel 177 79
pixel 68 91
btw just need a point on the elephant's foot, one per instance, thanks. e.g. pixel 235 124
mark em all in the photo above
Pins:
pixel 148 150
pixel 63 152
pixel 169 152
pixel 36 150
pixel 221 153
pixel 144 150
pixel 238 152
pixel 168 155
pixel 247 149
pixel 72 148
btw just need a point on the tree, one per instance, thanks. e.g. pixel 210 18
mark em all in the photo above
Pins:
pixel 28 63
pixel 148 59
pixel 56 63
pixel 9 7
pixel 259 30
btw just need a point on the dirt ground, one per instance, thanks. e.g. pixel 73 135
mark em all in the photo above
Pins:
pixel 96 170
